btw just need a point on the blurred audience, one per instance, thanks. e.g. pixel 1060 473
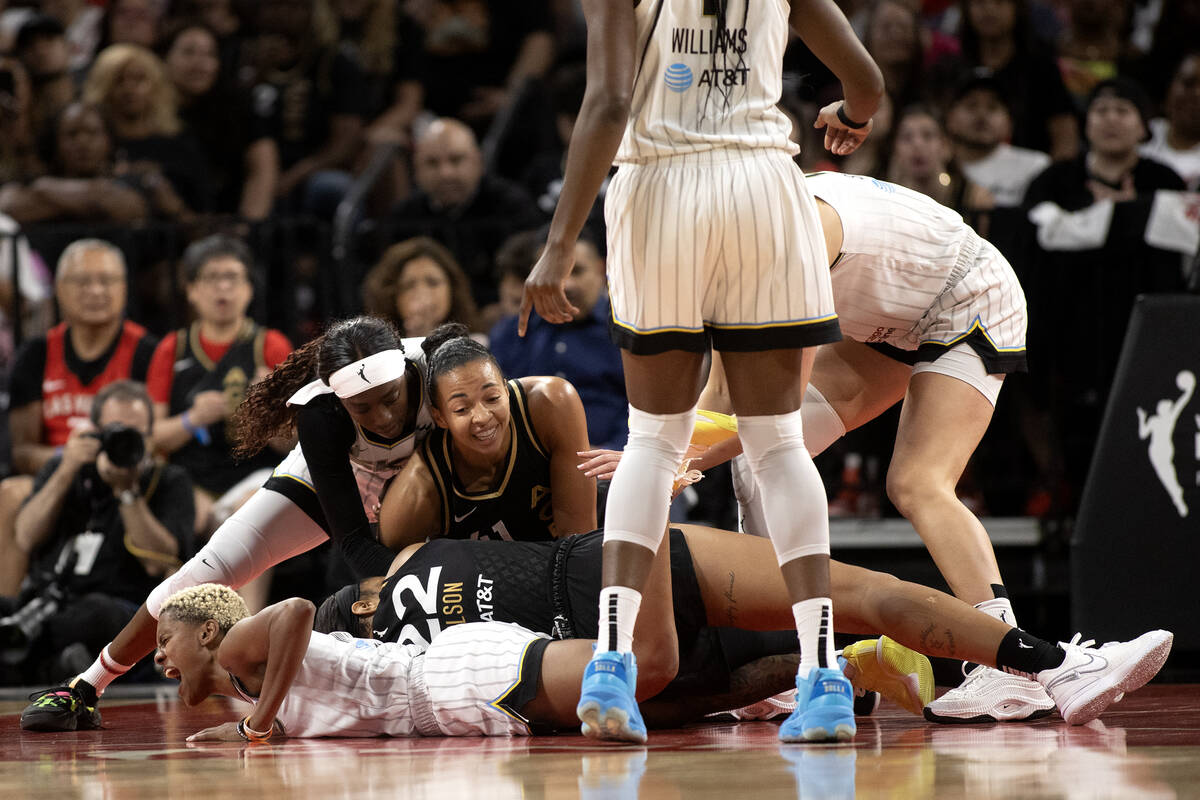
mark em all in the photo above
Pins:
pixel 463 207
pixel 1175 137
pixel 42 49
pixel 54 377
pixel 199 375
pixel 580 350
pixel 84 184
pixel 417 285
pixel 83 22
pixel 242 157
pixel 130 86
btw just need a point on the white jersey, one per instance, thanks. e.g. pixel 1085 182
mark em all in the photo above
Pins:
pixel 912 274
pixel 1006 173
pixel 465 684
pixel 698 88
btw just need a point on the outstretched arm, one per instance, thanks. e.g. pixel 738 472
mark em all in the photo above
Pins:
pixel 265 652
pixel 611 65
pixel 1143 424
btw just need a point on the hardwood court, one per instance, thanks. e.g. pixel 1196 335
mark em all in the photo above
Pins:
pixel 1147 746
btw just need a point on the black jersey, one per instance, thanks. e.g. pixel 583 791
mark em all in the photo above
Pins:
pixel 519 508
pixel 548 587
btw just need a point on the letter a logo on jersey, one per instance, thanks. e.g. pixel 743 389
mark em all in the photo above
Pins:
pixel 1159 428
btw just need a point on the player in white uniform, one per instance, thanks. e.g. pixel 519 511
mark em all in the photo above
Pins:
pixel 912 278
pixel 713 238
pixel 357 422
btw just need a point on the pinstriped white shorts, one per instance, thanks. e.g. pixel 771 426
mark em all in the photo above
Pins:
pixel 722 246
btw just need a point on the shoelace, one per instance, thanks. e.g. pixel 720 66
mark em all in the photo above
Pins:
pixel 1086 643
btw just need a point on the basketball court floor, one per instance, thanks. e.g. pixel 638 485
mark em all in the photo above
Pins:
pixel 1147 746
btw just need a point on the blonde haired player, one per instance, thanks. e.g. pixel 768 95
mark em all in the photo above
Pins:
pixel 714 240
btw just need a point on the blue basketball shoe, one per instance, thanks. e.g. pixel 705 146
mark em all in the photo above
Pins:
pixel 824 708
pixel 607 706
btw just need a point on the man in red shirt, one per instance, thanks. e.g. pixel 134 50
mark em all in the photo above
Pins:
pixel 199 375
pixel 55 377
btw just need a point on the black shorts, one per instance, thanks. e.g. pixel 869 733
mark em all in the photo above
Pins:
pixel 575 589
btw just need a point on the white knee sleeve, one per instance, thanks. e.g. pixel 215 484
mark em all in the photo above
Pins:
pixel 745 490
pixel 640 493
pixel 822 425
pixel 267 529
pixel 793 498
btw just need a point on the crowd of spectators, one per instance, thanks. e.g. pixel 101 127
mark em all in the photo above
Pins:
pixel 217 179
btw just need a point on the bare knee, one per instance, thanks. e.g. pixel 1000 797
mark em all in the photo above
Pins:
pixel 910 489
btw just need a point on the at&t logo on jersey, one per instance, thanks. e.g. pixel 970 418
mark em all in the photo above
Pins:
pixel 678 77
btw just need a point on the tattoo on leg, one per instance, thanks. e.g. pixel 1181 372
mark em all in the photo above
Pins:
pixel 935 642
pixel 731 609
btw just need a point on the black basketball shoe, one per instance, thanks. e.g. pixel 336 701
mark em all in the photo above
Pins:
pixel 62 708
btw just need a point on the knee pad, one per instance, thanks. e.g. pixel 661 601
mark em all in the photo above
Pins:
pixel 640 493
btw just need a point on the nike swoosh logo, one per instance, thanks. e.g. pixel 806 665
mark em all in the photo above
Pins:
pixel 1095 664
pixel 457 518
pixel 205 562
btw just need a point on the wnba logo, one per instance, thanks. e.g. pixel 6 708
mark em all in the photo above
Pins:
pixel 678 77
pixel 1159 429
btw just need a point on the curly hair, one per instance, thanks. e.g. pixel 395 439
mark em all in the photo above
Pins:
pixel 381 287
pixel 448 348
pixel 106 70
pixel 264 413
pixel 204 602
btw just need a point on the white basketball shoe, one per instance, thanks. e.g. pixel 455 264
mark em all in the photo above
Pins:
pixel 990 695
pixel 1091 678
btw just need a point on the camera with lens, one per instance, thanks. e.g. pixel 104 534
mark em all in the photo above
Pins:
pixel 124 446
pixel 19 629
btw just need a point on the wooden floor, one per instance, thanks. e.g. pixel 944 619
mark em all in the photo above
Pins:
pixel 1147 746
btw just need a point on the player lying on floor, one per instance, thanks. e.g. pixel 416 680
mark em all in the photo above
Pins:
pixel 484 678
pixel 432 588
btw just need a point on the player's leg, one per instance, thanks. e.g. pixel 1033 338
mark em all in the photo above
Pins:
pixel 267 529
pixel 941 423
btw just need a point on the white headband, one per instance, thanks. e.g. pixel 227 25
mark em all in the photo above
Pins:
pixel 367 373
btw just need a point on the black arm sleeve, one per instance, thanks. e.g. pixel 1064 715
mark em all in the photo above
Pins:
pixel 325 437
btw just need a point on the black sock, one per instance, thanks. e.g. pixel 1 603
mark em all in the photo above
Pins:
pixel 998 590
pixel 1027 655
pixel 86 691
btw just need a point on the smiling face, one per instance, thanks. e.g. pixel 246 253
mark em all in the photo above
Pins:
pixel 186 653
pixel 381 410
pixel 472 404
pixel 192 62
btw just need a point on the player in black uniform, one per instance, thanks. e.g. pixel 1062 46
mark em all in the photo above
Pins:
pixel 502 463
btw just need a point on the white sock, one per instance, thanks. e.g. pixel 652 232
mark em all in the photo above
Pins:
pixel 814 624
pixel 103 671
pixel 618 614
pixel 1000 608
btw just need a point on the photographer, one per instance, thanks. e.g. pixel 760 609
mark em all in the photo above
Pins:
pixel 102 527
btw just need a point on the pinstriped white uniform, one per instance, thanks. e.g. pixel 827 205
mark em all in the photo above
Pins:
pixel 912 273
pixel 710 223
pixel 362 687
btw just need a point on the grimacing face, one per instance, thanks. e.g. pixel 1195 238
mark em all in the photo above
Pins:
pixel 184 655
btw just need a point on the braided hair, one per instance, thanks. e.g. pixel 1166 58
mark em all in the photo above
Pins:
pixel 265 415
pixel 449 347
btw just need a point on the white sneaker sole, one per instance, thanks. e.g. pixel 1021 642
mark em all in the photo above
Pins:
pixel 1134 674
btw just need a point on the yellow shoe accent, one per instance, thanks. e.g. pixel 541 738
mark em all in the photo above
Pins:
pixel 712 428
pixel 901 675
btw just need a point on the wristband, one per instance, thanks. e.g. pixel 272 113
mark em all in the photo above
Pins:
pixel 251 735
pixel 849 123
pixel 199 433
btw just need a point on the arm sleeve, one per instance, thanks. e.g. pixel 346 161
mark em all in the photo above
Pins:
pixel 161 372
pixel 325 438
pixel 25 380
